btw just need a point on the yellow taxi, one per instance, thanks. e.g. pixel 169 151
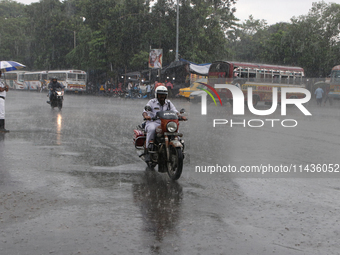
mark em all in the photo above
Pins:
pixel 185 92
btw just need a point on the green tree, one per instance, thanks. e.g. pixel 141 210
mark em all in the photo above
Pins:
pixel 51 27
pixel 12 31
pixel 314 39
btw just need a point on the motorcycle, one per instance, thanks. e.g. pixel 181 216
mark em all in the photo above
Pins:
pixel 135 93
pixel 168 147
pixel 118 93
pixel 57 99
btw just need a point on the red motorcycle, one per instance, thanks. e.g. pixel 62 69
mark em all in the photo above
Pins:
pixel 118 92
pixel 168 151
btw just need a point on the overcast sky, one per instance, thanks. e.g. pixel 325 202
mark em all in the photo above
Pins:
pixel 272 11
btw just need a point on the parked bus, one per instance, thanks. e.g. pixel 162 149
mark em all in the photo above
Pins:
pixel 34 80
pixel 73 80
pixel 334 87
pixel 261 77
pixel 14 79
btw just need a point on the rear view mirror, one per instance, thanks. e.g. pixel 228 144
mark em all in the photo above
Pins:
pixel 147 108
pixel 182 111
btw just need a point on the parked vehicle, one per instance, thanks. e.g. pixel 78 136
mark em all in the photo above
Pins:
pixel 135 93
pixel 118 93
pixel 185 92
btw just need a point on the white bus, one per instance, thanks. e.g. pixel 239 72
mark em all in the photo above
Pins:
pixel 34 80
pixel 73 80
pixel 14 79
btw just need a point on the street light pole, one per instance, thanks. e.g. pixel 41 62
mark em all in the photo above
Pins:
pixel 177 31
pixel 74 39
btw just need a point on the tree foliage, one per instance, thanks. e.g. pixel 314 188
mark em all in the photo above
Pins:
pixel 311 41
pixel 115 36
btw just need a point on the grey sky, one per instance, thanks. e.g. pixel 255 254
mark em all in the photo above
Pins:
pixel 272 11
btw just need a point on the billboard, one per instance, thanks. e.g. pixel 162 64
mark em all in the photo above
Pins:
pixel 155 58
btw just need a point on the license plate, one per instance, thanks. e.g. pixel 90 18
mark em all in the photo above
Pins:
pixel 168 133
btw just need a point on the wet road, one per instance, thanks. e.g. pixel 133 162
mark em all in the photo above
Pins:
pixel 72 183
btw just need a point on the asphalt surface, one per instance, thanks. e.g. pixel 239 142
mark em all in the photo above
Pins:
pixel 71 182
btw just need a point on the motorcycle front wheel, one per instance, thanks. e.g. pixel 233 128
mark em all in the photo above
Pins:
pixel 175 165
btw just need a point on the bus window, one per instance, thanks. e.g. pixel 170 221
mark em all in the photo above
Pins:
pixel 32 77
pixel 21 77
pixel 298 79
pixel 276 77
pixel 268 76
pixel 60 76
pixel 81 77
pixel 260 75
pixel 252 75
pixel 243 72
pixel 72 76
pixel 284 79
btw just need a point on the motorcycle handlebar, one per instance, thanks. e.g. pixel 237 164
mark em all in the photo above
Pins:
pixel 179 118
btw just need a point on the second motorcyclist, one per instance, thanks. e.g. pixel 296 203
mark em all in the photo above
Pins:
pixel 159 103
pixel 52 86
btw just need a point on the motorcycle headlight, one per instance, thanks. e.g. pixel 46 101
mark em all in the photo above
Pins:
pixel 171 126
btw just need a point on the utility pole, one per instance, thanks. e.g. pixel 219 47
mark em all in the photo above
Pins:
pixel 177 30
pixel 74 39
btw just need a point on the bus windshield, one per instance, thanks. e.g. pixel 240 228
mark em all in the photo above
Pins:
pixel 81 77
pixel 335 76
pixel 219 70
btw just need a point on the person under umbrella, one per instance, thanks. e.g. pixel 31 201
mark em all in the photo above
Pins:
pixel 3 91
pixel 6 66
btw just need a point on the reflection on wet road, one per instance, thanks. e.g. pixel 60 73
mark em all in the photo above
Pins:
pixel 71 182
pixel 159 201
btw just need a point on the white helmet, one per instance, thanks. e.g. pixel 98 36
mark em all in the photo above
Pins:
pixel 162 90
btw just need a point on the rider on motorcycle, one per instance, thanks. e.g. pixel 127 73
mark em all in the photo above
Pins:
pixel 52 86
pixel 159 103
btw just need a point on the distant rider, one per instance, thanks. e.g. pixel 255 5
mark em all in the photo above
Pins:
pixel 53 86
pixel 159 103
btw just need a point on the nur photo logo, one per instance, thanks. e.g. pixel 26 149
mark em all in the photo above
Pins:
pixel 238 103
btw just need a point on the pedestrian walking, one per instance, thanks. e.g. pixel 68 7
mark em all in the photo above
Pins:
pixel 327 98
pixel 148 90
pixel 169 86
pixel 129 88
pixel 318 95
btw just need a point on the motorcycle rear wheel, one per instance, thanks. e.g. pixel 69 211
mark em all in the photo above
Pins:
pixel 175 166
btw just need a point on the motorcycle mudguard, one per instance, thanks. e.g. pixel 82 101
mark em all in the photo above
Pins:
pixel 176 143
pixel 138 139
